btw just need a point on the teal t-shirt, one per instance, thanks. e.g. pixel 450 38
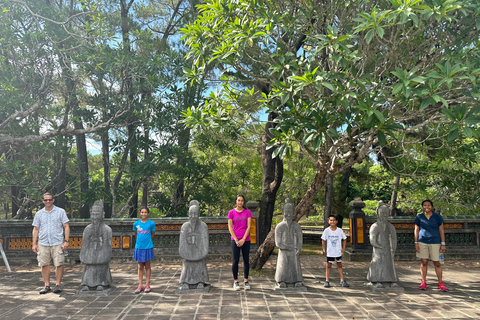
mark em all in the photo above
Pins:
pixel 144 234
pixel 429 232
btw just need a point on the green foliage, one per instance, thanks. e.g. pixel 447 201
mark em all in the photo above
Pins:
pixel 343 80
pixel 370 207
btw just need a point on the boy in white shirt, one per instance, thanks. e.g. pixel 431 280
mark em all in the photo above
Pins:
pixel 334 241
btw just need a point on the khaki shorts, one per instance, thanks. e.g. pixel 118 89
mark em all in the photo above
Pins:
pixel 429 251
pixel 46 254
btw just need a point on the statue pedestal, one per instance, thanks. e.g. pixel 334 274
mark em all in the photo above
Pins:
pixel 194 289
pixel 94 292
pixel 290 287
pixel 385 287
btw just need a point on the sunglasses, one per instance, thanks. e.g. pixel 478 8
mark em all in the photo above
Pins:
pixel 47 200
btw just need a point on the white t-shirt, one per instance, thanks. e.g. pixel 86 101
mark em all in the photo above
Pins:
pixel 334 241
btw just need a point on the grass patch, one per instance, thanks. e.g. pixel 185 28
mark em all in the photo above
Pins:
pixel 311 250
pixel 307 250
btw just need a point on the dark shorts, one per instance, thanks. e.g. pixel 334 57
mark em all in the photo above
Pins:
pixel 333 259
pixel 143 255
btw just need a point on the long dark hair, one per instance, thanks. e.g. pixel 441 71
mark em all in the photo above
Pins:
pixel 244 201
pixel 427 200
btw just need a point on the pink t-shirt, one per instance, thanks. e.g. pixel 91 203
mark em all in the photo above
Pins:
pixel 240 222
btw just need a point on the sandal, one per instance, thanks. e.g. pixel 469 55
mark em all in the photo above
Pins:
pixel 442 287
pixel 147 289
pixel 139 289
pixel 45 290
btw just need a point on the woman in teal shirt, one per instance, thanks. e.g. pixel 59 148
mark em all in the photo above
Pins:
pixel 429 242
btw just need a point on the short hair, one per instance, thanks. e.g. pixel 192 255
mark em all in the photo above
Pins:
pixel 146 208
pixel 333 216
pixel 48 194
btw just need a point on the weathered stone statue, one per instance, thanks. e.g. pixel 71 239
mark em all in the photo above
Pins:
pixel 96 252
pixel 193 249
pixel 289 240
pixel 383 238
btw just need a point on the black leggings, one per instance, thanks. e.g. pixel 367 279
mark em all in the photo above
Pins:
pixel 236 258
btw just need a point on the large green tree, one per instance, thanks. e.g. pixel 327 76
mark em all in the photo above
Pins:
pixel 344 78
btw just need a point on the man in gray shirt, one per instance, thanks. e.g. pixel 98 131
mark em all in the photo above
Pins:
pixel 50 237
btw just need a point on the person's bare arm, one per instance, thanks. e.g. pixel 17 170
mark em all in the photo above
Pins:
pixel 66 227
pixel 441 229
pixel 35 239
pixel 416 232
pixel 247 232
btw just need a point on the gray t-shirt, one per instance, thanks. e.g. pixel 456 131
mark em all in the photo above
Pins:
pixel 50 226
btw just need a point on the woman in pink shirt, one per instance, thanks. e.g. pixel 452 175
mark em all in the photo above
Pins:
pixel 239 224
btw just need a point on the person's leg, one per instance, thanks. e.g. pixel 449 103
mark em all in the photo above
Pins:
pixel 328 268
pixel 236 259
pixel 438 270
pixel 246 260
pixel 59 261
pixel 148 272
pixel 340 270
pixel 423 269
pixel 46 275
pixel 59 274
pixel 141 267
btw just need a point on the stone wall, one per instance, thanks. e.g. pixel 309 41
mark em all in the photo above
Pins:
pixel 16 238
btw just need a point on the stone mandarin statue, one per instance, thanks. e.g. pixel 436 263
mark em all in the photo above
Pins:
pixel 193 249
pixel 289 240
pixel 96 251
pixel 383 238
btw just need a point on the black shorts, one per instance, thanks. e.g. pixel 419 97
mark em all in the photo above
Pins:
pixel 333 259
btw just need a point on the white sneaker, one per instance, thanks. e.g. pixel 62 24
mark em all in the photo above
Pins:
pixel 247 285
pixel 236 286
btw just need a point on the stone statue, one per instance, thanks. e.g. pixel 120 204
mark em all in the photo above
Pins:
pixel 193 249
pixel 96 252
pixel 383 238
pixel 289 240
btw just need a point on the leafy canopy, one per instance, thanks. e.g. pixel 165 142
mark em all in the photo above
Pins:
pixel 342 77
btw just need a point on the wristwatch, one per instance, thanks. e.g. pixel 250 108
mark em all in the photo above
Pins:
pixel 66 240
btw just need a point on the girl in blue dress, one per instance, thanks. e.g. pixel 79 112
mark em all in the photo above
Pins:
pixel 144 233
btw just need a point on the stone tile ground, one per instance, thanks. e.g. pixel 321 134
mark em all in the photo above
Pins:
pixel 19 298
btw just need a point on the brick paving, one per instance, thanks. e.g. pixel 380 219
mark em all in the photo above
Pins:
pixel 19 298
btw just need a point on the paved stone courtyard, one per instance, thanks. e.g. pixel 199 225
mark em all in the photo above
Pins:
pixel 19 298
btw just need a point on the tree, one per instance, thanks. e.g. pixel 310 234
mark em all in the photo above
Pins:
pixel 359 75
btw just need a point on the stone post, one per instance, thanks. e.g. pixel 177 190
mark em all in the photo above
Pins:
pixel 357 225
pixel 253 207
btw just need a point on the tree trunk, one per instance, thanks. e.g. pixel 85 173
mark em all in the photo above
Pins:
pixel 61 182
pixel 345 184
pixel 272 179
pixel 264 251
pixel 107 200
pixel 145 183
pixel 328 200
pixel 15 195
pixel 132 143
pixel 266 248
pixel 178 199
pixel 83 171
pixel 393 201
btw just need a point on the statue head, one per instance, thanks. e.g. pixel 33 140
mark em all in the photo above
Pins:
pixel 194 203
pixel 193 213
pixel 288 210
pixel 97 212
pixel 382 211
